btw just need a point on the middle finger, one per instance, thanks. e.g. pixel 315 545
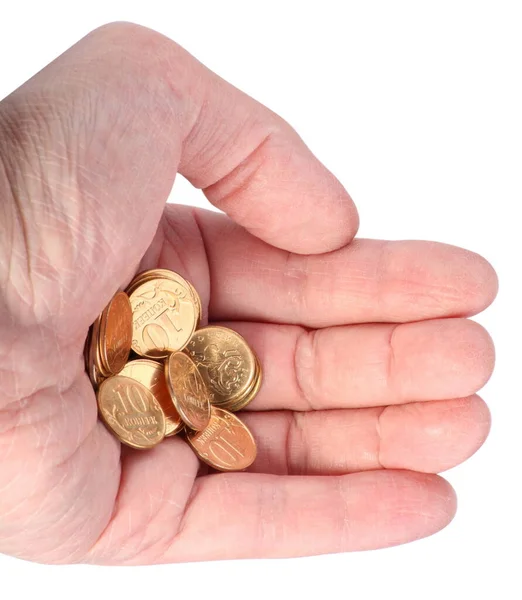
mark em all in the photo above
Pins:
pixel 367 365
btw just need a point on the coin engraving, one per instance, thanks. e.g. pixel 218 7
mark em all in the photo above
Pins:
pixel 152 375
pixel 188 391
pixel 185 379
pixel 131 411
pixel 249 395
pixel 225 361
pixel 226 443
pixel 164 317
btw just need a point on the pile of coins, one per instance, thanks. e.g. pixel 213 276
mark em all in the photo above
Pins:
pixel 157 373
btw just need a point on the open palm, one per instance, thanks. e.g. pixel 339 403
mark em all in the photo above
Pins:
pixel 369 367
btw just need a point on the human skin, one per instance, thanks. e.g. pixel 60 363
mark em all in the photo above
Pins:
pixel 371 366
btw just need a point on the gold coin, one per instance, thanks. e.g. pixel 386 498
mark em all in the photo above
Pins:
pixel 116 333
pixel 241 401
pixel 225 361
pixel 95 368
pixel 187 390
pixel 226 443
pixel 164 316
pixel 166 274
pixel 87 348
pixel 94 375
pixel 131 412
pixel 240 404
pixel 152 375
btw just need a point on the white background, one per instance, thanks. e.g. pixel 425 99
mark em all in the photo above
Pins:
pixel 416 107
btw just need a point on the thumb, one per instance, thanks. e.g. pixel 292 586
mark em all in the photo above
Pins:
pixel 89 148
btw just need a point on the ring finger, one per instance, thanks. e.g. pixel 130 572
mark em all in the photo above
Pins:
pixel 368 365
pixel 421 436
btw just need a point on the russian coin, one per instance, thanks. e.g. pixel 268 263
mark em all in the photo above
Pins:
pixel 152 375
pixel 166 274
pixel 87 348
pixel 131 411
pixel 226 363
pixel 252 393
pixel 164 317
pixel 94 375
pixel 175 372
pixel 116 333
pixel 95 367
pixel 226 443
pixel 187 390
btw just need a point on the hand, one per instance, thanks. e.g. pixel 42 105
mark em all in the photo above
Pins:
pixel 370 367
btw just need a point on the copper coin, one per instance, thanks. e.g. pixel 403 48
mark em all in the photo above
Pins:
pixel 226 443
pixel 152 375
pixel 93 356
pixel 164 317
pixel 242 401
pixel 252 393
pixel 131 411
pixel 87 348
pixel 166 274
pixel 94 374
pixel 187 390
pixel 225 361
pixel 175 277
pixel 116 333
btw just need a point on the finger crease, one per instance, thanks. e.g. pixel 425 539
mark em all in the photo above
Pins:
pixel 378 428
pixel 295 429
pixel 308 338
pixel 241 176
pixel 390 364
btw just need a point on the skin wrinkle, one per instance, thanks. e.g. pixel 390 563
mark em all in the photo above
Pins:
pixel 115 508
pixel 346 521
pixel 295 428
pixel 295 268
pixel 305 344
pixel 44 494
pixel 44 470
pixel 378 428
pixel 153 547
pixel 25 253
pixel 240 179
pixel 45 185
pixel 186 514
pixel 390 373
pixel 162 545
pixel 267 531
pixel 63 517
pixel 26 405
pixel 172 242
pixel 192 127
